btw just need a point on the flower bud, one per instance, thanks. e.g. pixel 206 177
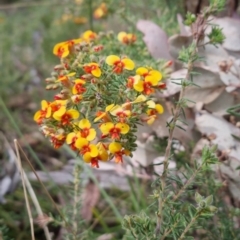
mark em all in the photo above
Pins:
pixel 58 67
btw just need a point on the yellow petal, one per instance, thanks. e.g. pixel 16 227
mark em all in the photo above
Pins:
pixel 84 123
pixel 74 113
pixel 65 53
pixel 79 81
pixel 70 137
pixel 159 108
pixel 154 77
pixel 151 120
pixel 121 35
pixel 78 40
pixel 124 127
pixel 74 90
pixel 59 113
pixel 136 78
pixel 94 150
pixel 151 104
pixel 88 34
pixel 57 46
pixel 141 71
pixel 81 142
pixel 37 115
pixel 115 110
pixel 99 117
pixel 71 74
pixel 140 98
pixel 62 102
pixel 128 64
pixel 87 157
pixel 92 134
pixel 49 112
pixel 114 147
pixel 106 127
pixel 153 81
pixel 138 86
pixel 110 60
pixel 44 104
pixel 127 112
pixel 96 72
pixel 103 155
pixel 109 107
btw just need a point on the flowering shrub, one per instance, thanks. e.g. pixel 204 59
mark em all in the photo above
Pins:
pixel 101 99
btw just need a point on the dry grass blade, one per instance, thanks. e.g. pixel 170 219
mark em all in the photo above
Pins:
pixel 18 163
pixel 32 194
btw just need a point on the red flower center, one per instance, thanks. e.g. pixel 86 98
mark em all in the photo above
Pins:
pixel 66 118
pixel 118 66
pixel 126 40
pixel 60 51
pixel 152 112
pixel 55 107
pixel 115 133
pixel 79 87
pixel 94 162
pixel 72 145
pixel 56 142
pixel 147 87
pixel 118 157
pixel 146 74
pixel 85 149
pixel 130 82
pixel 84 132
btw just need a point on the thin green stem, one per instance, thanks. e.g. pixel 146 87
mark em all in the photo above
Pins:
pixel 168 231
pixel 188 227
pixel 181 191
pixel 169 145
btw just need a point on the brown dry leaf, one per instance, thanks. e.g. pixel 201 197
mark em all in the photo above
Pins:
pixel 209 124
pixel 173 83
pixel 220 105
pixel 155 39
pixel 210 86
pixel 231 77
pixel 228 168
pixel 177 42
pixel 145 152
pixel 212 56
pixel 91 196
pixel 161 130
